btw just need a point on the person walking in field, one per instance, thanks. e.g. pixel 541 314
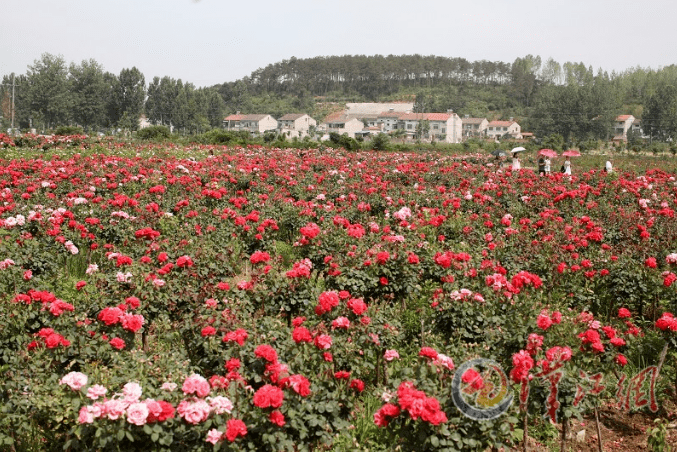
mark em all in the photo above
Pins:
pixel 541 166
pixel 547 165
pixel 516 165
pixel 567 166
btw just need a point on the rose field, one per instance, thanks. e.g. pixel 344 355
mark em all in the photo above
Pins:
pixel 157 297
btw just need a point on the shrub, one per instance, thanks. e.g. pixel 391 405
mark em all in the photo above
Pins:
pixel 69 130
pixel 154 133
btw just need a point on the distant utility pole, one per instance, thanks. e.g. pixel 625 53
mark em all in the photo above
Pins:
pixel 12 106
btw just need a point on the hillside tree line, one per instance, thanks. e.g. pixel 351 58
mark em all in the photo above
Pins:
pixel 545 97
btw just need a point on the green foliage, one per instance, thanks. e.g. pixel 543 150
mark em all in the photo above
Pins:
pixel 343 141
pixel 554 142
pixel 658 437
pixel 154 133
pixel 380 142
pixel 220 136
pixel 68 130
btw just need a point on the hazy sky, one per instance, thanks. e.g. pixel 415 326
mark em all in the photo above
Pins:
pixel 213 41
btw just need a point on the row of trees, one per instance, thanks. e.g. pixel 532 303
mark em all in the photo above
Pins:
pixel 545 97
pixel 52 94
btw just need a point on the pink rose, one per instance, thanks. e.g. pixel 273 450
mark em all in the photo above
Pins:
pixel 74 380
pixel 214 436
pixel 194 412
pixel 96 391
pixel 389 355
pixel 137 413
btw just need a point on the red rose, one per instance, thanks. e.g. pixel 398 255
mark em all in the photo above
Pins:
pixel 268 396
pixel 117 343
pixel 235 428
pixel 277 418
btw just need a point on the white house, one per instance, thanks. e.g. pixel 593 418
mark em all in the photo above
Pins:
pixel 232 122
pixel 295 125
pixel 257 124
pixel 445 127
pixel 474 127
pixel 621 126
pixel 345 126
pixel 388 120
pixel 497 129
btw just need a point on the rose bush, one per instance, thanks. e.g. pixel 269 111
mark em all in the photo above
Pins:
pixel 264 300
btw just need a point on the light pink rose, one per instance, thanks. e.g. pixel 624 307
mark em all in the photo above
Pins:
pixel 196 384
pixel 169 386
pixel 114 408
pixel 389 355
pixel 132 392
pixel 194 412
pixel 214 436
pixel 220 404
pixel 96 391
pixel 137 413
pixel 85 416
pixel 75 380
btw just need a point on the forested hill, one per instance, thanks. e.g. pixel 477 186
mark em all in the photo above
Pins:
pixel 571 99
pixel 373 76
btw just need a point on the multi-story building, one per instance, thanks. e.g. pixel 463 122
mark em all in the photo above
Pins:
pixel 474 127
pixel 295 125
pixel 445 127
pixel 498 129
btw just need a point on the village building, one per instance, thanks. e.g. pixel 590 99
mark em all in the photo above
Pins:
pixel 474 127
pixel 500 129
pixel 446 127
pixel 295 125
pixel 344 126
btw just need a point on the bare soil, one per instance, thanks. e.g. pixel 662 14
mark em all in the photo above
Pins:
pixel 620 431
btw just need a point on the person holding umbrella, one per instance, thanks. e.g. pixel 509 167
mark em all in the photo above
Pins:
pixel 567 163
pixel 516 165
pixel 567 166
pixel 541 165
pixel 545 155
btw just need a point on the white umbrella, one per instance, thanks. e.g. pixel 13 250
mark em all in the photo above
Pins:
pixel 518 149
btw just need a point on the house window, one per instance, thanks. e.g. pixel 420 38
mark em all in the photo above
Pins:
pixel 408 126
pixel 435 127
pixel 444 130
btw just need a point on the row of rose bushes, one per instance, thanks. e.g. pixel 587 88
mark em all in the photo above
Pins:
pixel 337 263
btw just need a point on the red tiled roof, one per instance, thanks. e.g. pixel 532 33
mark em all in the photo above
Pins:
pixel 438 117
pixel 501 123
pixel 331 117
pixel 623 117
pixel 413 116
pixel 425 116
pixel 233 118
